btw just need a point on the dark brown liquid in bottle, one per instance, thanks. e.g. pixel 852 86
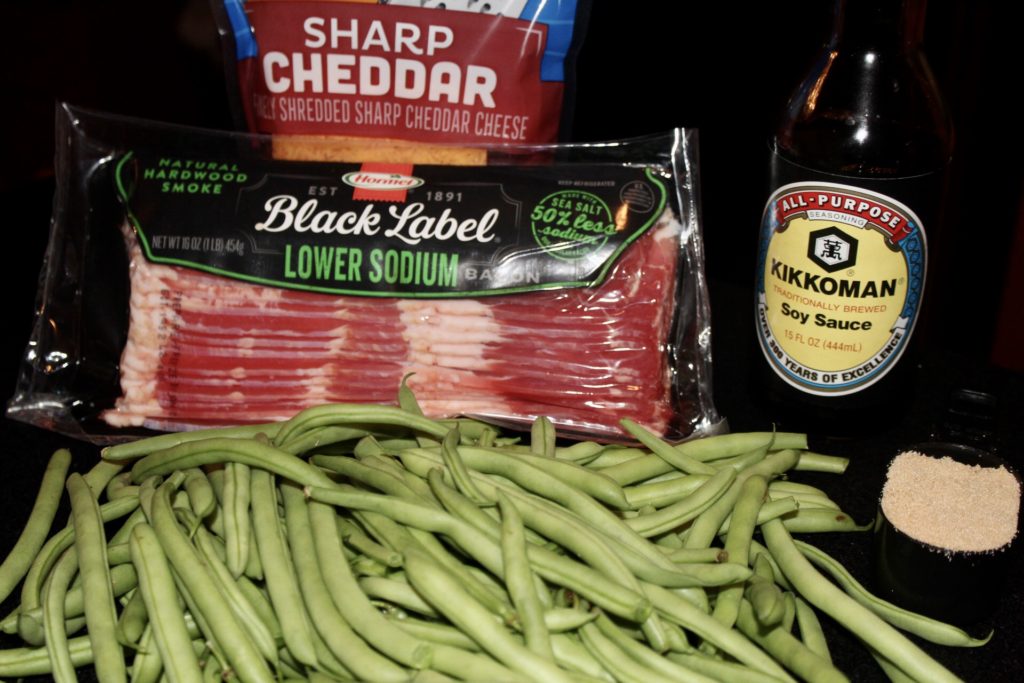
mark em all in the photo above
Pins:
pixel 869 116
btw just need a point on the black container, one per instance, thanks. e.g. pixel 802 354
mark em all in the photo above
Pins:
pixel 960 587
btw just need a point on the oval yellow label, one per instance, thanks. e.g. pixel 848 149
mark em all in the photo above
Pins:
pixel 840 280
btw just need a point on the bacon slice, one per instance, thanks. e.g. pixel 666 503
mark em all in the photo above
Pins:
pixel 204 350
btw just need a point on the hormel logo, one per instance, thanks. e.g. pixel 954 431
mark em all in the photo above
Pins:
pixel 368 180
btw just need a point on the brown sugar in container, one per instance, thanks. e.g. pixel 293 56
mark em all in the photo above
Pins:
pixel 947 517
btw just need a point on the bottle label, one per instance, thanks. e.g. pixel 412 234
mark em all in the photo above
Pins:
pixel 841 274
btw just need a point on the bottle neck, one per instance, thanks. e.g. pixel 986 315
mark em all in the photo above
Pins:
pixel 881 24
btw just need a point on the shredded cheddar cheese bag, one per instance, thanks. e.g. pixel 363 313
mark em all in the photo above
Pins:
pixel 468 71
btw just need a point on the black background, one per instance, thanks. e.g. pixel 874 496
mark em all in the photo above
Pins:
pixel 724 68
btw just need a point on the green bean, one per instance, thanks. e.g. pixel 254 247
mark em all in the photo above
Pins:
pixel 121 486
pixel 412 480
pixel 355 537
pixel 737 544
pixel 225 583
pixel 831 600
pixel 765 598
pixel 19 662
pixel 356 414
pixel 665 492
pixel 816 462
pixel 608 556
pixel 332 627
pixel 53 617
pixel 241 653
pixel 892 672
pixel 617 455
pixel 580 452
pixel 98 598
pixel 457 470
pixel 547 520
pixel 677 514
pixel 568 473
pixel 435 632
pixel 552 566
pixel 706 526
pixel 470 666
pixel 680 611
pixel 200 492
pixel 166 616
pixel 212 670
pixel 699 555
pixel 260 603
pixel 650 659
pixel 351 602
pixel 562 619
pixel 756 550
pixel 487 439
pixel 236 516
pixel 396 592
pixel 673 456
pixel 134 449
pixel 924 627
pixel 721 670
pixel 448 597
pixel 811 632
pixel 570 654
pixel 40 519
pixel 250 452
pixel 543 484
pixel 484 519
pixel 788 650
pixel 320 437
pixel 519 578
pixel 385 482
pixel 122 580
pixel 132 621
pixel 739 462
pixel 791 487
pixel 100 475
pixel 788 508
pixel 623 667
pixel 542 437
pixel 406 398
pixel 147 665
pixel 481 585
pixel 805 501
pixel 279 574
pixel 371 445
pixel 820 520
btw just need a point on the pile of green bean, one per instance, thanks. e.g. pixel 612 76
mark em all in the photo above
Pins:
pixel 370 543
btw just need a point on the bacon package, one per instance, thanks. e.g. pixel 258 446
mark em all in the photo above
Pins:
pixel 463 71
pixel 193 279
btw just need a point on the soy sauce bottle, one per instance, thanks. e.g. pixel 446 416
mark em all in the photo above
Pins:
pixel 857 173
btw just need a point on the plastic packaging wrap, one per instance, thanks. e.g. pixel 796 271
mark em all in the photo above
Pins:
pixel 192 279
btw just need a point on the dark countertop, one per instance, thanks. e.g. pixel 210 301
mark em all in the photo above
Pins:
pixel 27 448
